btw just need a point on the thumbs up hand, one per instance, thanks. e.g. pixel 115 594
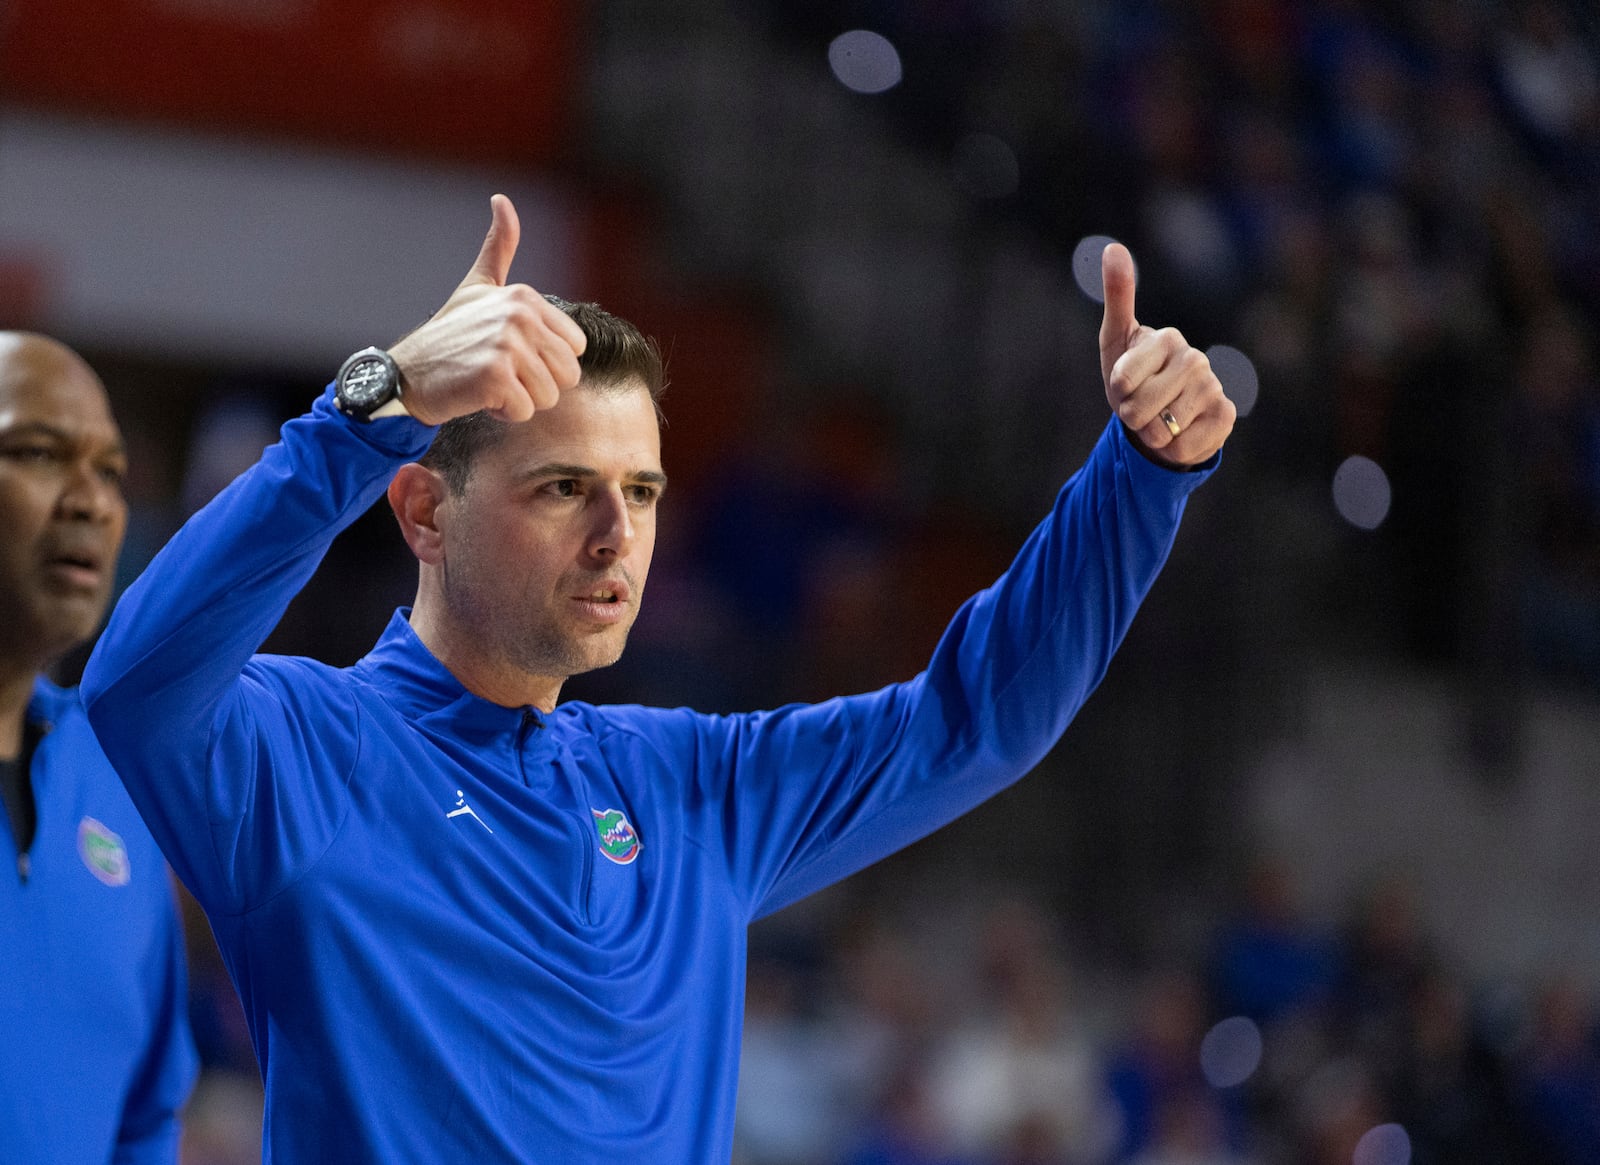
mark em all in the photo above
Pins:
pixel 1162 389
pixel 493 345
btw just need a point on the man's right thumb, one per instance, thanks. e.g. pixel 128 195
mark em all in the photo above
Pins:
pixel 493 263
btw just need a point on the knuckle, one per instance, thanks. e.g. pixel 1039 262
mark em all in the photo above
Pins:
pixel 500 356
pixel 504 364
pixel 560 361
pixel 1122 378
pixel 520 315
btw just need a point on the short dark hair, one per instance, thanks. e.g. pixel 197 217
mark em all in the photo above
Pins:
pixel 618 355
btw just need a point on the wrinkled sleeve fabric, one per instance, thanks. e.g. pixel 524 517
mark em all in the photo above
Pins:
pixel 805 795
pixel 215 746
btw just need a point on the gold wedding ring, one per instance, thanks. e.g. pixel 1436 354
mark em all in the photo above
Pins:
pixel 1170 421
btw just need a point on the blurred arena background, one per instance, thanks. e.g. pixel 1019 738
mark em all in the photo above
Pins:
pixel 1313 878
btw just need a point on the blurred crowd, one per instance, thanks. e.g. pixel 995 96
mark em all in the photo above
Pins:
pixel 964 1032
pixel 1394 209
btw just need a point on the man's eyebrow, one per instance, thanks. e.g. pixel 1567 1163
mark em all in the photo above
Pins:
pixel 36 428
pixel 55 433
pixel 558 469
pixel 584 472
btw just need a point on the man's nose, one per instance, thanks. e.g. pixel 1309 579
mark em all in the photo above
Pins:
pixel 88 495
pixel 612 535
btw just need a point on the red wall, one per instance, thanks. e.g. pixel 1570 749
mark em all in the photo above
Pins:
pixel 485 80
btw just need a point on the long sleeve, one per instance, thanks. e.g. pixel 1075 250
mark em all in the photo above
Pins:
pixel 806 795
pixel 204 741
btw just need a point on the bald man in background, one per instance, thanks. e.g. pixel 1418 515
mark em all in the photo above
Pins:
pixel 95 1053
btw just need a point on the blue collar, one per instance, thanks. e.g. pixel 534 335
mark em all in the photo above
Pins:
pixel 412 680
pixel 49 702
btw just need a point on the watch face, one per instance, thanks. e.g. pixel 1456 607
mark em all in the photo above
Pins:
pixel 365 382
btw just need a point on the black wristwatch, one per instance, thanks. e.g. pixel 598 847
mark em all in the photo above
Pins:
pixel 366 382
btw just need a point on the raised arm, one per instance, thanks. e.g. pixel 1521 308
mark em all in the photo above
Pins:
pixel 809 794
pixel 206 740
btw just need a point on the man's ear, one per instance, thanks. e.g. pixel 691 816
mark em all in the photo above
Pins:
pixel 416 495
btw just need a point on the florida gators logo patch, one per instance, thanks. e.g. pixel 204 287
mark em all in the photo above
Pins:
pixel 618 841
pixel 103 852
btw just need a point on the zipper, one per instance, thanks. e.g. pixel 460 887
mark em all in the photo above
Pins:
pixel 530 720
pixel 580 817
pixel 576 793
pixel 586 843
pixel 37 731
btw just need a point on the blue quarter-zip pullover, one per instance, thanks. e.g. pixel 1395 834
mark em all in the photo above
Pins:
pixel 470 933
pixel 95 1054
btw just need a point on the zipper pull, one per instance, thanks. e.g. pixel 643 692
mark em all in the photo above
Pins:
pixel 24 866
pixel 530 719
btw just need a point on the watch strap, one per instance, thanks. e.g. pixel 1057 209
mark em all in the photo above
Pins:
pixel 393 407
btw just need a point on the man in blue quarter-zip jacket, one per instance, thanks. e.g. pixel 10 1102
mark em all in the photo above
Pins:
pixel 95 1056
pixel 469 924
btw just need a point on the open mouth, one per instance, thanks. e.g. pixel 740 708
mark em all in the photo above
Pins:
pixel 604 591
pixel 605 601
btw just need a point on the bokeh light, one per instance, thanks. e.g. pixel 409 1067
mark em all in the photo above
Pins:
pixel 1361 492
pixel 864 61
pixel 1231 1052
pixel 1086 265
pixel 1384 1145
pixel 1238 375
pixel 985 166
